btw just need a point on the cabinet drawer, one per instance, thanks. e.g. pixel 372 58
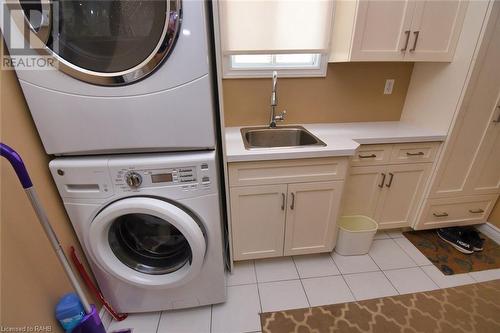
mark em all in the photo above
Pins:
pixel 446 212
pixel 287 171
pixel 414 152
pixel 372 155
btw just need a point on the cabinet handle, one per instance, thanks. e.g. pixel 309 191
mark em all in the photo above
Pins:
pixel 383 181
pixel 367 156
pixel 443 214
pixel 292 205
pixel 390 179
pixel 416 33
pixel 476 211
pixel 420 153
pixel 407 32
pixel 282 201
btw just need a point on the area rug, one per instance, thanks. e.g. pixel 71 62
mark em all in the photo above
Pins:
pixel 448 259
pixel 467 309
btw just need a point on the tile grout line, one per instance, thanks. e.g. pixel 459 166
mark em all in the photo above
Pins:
pixel 300 279
pixel 402 248
pixel 384 273
pixel 211 317
pixel 342 273
pixel 159 320
pixel 257 285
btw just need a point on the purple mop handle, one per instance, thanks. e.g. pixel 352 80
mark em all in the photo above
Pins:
pixel 17 163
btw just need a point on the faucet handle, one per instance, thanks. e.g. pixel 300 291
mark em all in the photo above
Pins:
pixel 281 116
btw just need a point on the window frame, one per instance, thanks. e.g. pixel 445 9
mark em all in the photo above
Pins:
pixel 230 72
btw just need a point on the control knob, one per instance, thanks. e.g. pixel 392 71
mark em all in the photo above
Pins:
pixel 133 179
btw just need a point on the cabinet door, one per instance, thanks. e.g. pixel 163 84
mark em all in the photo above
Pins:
pixel 470 160
pixel 380 30
pixel 404 187
pixel 258 221
pixel 311 217
pixel 485 173
pixel 363 187
pixel 435 30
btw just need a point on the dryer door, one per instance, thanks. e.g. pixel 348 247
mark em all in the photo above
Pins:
pixel 104 42
pixel 147 242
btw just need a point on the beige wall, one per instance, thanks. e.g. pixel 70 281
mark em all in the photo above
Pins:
pixel 350 92
pixel 495 215
pixel 31 277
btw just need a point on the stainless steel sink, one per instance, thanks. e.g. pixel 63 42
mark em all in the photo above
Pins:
pixel 279 137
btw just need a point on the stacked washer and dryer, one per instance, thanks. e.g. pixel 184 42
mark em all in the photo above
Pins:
pixel 130 114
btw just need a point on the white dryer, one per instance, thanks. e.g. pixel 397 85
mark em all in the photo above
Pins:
pixel 130 76
pixel 150 226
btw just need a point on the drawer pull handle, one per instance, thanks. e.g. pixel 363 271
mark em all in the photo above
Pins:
pixel 416 33
pixel 420 153
pixel 367 156
pixel 383 181
pixel 407 32
pixel 390 179
pixel 282 201
pixel 292 205
pixel 476 211
pixel 444 214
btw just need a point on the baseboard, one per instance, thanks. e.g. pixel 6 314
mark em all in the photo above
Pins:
pixel 490 230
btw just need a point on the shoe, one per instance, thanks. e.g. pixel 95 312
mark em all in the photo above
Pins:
pixel 472 236
pixel 456 238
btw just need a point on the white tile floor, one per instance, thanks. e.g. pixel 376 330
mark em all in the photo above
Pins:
pixel 393 266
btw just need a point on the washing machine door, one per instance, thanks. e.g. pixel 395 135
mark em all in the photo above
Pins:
pixel 102 42
pixel 147 242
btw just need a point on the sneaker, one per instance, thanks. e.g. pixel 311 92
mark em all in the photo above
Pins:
pixel 472 236
pixel 455 237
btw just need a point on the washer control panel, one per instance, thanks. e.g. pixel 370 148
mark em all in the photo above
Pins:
pixel 186 177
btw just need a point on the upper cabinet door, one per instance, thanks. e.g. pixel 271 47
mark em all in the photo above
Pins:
pixel 311 217
pixel 435 30
pixel 381 30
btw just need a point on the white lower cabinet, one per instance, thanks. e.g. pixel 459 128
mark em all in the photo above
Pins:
pixel 311 217
pixel 389 194
pixel 399 197
pixel 295 217
pixel 258 215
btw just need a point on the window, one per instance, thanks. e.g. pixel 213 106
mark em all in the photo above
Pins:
pixel 291 36
pixel 261 65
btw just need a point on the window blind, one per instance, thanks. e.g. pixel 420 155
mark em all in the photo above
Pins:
pixel 275 26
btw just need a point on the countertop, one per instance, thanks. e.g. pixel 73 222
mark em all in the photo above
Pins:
pixel 342 139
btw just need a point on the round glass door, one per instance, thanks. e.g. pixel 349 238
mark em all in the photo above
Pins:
pixel 147 242
pixel 105 42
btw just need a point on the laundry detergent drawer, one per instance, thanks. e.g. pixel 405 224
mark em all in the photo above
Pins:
pixel 447 212
pixel 287 171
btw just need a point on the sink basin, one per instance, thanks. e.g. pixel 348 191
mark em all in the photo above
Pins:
pixel 279 137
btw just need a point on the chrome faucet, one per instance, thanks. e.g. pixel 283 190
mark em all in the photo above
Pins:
pixel 274 103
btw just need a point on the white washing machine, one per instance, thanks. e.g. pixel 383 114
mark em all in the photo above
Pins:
pixel 150 226
pixel 130 76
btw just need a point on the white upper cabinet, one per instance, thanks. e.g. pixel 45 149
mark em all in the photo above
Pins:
pixel 378 30
pixel 435 28
pixel 396 30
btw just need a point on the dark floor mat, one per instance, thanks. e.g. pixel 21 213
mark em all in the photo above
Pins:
pixel 451 261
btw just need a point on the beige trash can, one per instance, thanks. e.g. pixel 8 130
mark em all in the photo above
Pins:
pixel 355 235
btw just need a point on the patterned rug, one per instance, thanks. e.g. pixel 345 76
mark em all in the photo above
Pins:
pixel 451 261
pixel 468 309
